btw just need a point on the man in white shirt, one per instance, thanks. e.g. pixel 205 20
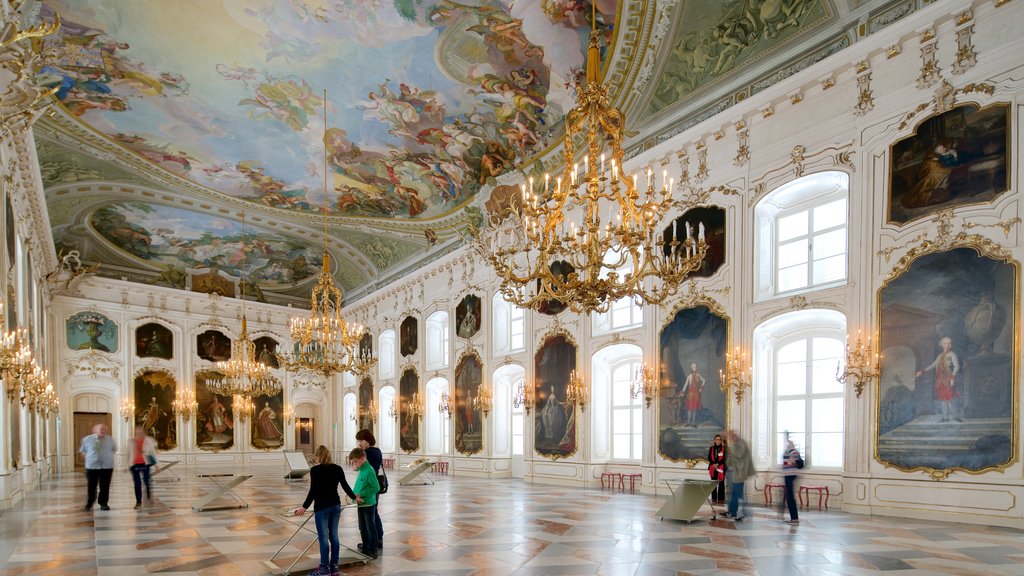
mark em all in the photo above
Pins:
pixel 99 449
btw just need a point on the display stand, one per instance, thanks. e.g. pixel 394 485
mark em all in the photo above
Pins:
pixel 346 555
pixel 416 471
pixel 687 499
pixel 297 465
pixel 165 466
pixel 223 489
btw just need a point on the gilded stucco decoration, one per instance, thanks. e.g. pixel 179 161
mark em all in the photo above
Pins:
pixel 800 161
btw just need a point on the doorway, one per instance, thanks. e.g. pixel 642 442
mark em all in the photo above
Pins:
pixel 304 435
pixel 84 423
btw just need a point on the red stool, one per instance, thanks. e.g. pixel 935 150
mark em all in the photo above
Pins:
pixel 806 491
pixel 612 477
pixel 768 492
pixel 632 481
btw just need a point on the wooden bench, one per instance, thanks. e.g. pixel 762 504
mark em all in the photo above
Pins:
pixel 806 491
pixel 612 478
pixel 768 491
pixel 440 468
pixel 633 478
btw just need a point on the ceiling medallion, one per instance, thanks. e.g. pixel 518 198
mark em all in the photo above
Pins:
pixel 540 256
pixel 324 343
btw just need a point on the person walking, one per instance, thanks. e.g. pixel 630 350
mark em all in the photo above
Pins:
pixel 99 449
pixel 717 467
pixel 741 466
pixel 366 441
pixel 791 465
pixel 324 478
pixel 366 489
pixel 143 456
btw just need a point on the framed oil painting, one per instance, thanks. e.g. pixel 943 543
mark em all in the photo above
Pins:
pixel 366 347
pixel 266 351
pixel 365 421
pixel 409 423
pixel 408 336
pixel 15 427
pixel 154 340
pixel 9 228
pixel 706 221
pixel 91 331
pixel 555 421
pixel 214 346
pixel 958 157
pixel 215 428
pixel 467 317
pixel 267 426
pixel 154 398
pixel 692 407
pixel 947 393
pixel 469 426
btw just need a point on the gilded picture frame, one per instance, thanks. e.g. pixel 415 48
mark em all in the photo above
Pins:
pixel 554 420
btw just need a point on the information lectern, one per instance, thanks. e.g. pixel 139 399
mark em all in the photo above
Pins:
pixel 687 498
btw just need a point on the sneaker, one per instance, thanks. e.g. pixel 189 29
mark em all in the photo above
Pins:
pixel 137 505
pixel 791 522
pixel 104 507
pixel 319 571
pixel 740 518
pixel 335 571
pixel 86 508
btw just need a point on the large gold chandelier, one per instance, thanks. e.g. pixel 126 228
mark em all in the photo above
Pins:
pixel 541 256
pixel 324 343
pixel 243 374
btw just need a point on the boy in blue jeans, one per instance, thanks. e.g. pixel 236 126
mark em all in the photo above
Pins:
pixel 365 489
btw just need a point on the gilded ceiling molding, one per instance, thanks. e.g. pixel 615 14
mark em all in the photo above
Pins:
pixel 615 339
pixel 742 144
pixel 865 97
pixel 662 22
pixel 94 365
pixel 66 279
pixel 799 161
pixel 695 297
pixel 930 71
pixel 965 57
pixel 30 213
pixel 796 304
pixel 22 102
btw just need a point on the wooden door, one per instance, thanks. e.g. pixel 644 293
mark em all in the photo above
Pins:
pixel 84 422
pixel 304 435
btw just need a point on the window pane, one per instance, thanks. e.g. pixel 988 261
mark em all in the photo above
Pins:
pixel 828 270
pixel 790 415
pixel 620 317
pixel 827 415
pixel 827 349
pixel 793 352
pixel 517 341
pixel 799 440
pixel 792 379
pixel 827 355
pixel 829 215
pixel 792 253
pixel 830 244
pixel 827 450
pixel 620 446
pixel 620 421
pixel 793 225
pixel 638 422
pixel 793 278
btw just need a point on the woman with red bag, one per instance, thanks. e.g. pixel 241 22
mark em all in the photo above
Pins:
pixel 716 468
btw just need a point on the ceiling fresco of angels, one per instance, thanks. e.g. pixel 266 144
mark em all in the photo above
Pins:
pixel 427 101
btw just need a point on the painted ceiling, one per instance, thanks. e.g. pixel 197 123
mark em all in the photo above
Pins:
pixel 175 118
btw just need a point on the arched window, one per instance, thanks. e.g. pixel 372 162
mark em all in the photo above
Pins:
pixel 437 340
pixel 349 411
pixel 386 426
pixel 617 418
pixel 386 362
pixel 437 436
pixel 801 235
pixel 795 389
pixel 508 382
pixel 509 326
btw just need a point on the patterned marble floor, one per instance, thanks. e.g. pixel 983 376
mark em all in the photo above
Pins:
pixel 464 526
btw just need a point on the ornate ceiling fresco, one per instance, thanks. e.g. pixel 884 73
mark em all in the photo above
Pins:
pixel 174 118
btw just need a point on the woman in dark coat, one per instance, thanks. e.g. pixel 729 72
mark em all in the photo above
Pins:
pixel 716 467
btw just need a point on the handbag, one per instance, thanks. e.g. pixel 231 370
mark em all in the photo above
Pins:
pixel 150 460
pixel 382 480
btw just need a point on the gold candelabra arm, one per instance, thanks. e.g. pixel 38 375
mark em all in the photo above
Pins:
pixel 444 406
pixel 393 410
pixel 523 397
pixel 289 415
pixel 484 401
pixel 127 409
pixel 737 374
pixel 576 391
pixel 862 364
pixel 644 383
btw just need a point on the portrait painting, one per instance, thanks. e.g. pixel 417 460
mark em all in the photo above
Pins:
pixel 409 423
pixel 408 336
pixel 702 222
pixel 555 420
pixel 366 419
pixel 366 347
pixel 692 406
pixel 266 352
pixel 154 340
pixel 946 393
pixel 15 428
pixel 215 426
pixel 467 317
pixel 469 424
pixel 12 311
pixel 154 401
pixel 9 228
pixel 954 158
pixel 213 346
pixel 267 422
pixel 91 331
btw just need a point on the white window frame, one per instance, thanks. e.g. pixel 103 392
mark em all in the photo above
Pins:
pixel 438 340
pixel 518 421
pixel 438 425
pixel 803 194
pixel 634 408
pixel 386 362
pixel 508 323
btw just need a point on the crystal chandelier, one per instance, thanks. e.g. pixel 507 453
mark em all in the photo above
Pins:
pixel 861 364
pixel 540 256
pixel 324 343
pixel 243 374
pixel 576 392
pixel 185 403
pixel 16 361
pixel 483 401
pixel 737 374
pixel 644 384
pixel 523 397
